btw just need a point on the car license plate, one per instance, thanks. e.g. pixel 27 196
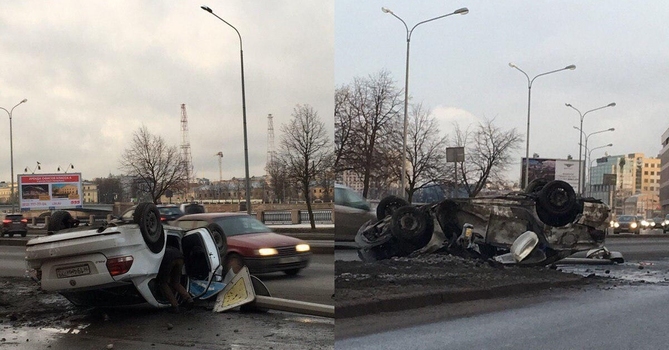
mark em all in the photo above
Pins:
pixel 290 260
pixel 79 270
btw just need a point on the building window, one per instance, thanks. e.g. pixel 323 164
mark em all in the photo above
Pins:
pixel 645 172
pixel 652 173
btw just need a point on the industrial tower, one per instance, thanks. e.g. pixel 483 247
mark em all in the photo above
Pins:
pixel 185 148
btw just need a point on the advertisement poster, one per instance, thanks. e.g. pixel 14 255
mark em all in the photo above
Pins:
pixel 50 191
pixel 551 169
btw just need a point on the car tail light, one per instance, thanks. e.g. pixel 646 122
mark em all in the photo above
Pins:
pixel 6 221
pixel 25 221
pixel 162 218
pixel 120 265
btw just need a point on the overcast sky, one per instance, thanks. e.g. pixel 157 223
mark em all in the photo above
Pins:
pixel 94 72
pixel 459 66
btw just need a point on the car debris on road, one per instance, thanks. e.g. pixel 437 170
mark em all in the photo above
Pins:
pixel 541 225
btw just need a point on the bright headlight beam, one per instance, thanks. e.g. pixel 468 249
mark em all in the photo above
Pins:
pixel 302 248
pixel 267 251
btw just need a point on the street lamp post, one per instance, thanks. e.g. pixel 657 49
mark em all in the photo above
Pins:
pixel 461 11
pixel 580 141
pixel 246 147
pixel 590 164
pixel 11 148
pixel 585 146
pixel 529 96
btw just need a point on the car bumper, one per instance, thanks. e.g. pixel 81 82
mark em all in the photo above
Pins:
pixel 278 263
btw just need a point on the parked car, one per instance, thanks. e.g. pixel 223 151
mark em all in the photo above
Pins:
pixel 351 211
pixel 192 208
pixel 116 264
pixel 251 243
pixel 626 223
pixel 14 224
pixel 169 212
pixel 539 226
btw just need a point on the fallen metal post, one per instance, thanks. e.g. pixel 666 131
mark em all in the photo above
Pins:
pixel 301 307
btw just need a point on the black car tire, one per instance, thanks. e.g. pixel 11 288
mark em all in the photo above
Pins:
pixel 388 205
pixel 219 238
pixel 536 185
pixel 557 204
pixel 147 217
pixel 60 220
pixel 413 226
pixel 292 272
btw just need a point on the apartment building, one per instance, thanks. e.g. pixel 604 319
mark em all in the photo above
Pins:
pixel 637 183
pixel 664 173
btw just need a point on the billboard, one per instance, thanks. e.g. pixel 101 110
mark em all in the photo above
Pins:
pixel 551 169
pixel 50 191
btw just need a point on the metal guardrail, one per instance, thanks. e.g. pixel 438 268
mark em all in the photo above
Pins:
pixel 277 217
pixel 320 216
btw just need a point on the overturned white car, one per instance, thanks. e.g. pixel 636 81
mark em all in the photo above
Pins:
pixel 541 225
pixel 117 263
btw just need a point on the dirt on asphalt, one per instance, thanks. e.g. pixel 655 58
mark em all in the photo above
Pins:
pixel 428 279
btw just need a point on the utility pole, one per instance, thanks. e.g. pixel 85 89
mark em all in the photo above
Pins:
pixel 220 172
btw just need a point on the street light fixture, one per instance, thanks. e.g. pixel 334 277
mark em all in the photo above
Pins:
pixel 590 164
pixel 580 141
pixel 529 96
pixel 37 167
pixel 461 11
pixel 246 147
pixel 11 147
pixel 585 146
pixel 66 168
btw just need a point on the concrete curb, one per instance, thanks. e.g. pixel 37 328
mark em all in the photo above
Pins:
pixel 421 299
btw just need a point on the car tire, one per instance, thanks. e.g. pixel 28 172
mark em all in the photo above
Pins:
pixel 260 289
pixel 219 238
pixel 235 262
pixel 411 226
pixel 147 217
pixel 556 204
pixel 292 272
pixel 388 205
pixel 536 185
pixel 60 220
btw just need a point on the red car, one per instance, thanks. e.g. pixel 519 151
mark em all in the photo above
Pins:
pixel 251 243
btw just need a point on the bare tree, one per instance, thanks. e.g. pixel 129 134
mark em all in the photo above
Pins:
pixel 425 151
pixel 364 114
pixel 156 166
pixel 278 178
pixel 305 149
pixel 488 151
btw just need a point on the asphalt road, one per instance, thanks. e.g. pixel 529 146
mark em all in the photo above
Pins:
pixel 628 317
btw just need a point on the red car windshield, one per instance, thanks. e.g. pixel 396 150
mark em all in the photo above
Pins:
pixel 241 225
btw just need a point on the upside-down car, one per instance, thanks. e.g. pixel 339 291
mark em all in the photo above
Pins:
pixel 543 224
pixel 116 263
